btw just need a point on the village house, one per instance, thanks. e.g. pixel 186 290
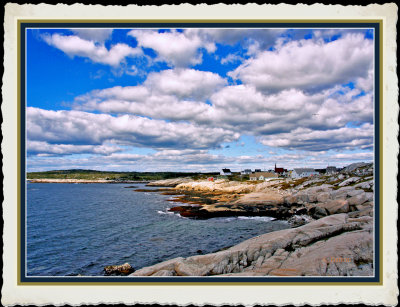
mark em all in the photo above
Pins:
pixel 303 172
pixel 262 176
pixel 331 170
pixel 280 170
pixel 246 172
pixel 225 172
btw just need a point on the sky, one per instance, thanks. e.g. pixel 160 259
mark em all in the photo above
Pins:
pixel 198 99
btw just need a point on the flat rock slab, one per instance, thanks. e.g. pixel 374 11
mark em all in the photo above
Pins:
pixel 331 246
pixel 336 206
pixel 169 182
pixel 270 197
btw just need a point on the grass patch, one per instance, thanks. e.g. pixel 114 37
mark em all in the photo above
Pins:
pixel 293 184
pixel 240 178
pixel 336 181
pixel 286 185
pixel 192 197
pixel 317 184
pixel 108 175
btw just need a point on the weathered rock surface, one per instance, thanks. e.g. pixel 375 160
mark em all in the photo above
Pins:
pixel 318 212
pixel 169 182
pixel 209 211
pixel 270 197
pixel 164 273
pixel 116 270
pixel 360 168
pixel 324 200
pixel 332 216
pixel 335 245
pixel 300 220
pixel 348 181
pixel 365 185
pixel 336 206
pixel 316 197
pixel 358 199
pixel 220 185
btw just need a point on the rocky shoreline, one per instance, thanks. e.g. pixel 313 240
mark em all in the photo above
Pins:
pixel 331 216
pixel 335 245
pixel 299 201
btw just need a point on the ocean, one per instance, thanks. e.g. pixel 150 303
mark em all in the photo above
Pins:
pixel 80 228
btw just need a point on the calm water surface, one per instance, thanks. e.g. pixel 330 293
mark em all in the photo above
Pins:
pixel 80 228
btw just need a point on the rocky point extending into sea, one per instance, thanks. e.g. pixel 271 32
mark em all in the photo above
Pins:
pixel 331 218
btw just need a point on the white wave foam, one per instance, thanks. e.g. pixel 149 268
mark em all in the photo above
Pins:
pixel 171 213
pixel 165 212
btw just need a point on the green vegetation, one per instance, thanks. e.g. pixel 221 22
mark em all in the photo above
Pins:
pixel 238 177
pixel 294 183
pixel 195 197
pixel 119 176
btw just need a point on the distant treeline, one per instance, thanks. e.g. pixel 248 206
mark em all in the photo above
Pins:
pixel 110 175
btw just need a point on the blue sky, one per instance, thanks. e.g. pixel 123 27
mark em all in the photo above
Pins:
pixel 198 99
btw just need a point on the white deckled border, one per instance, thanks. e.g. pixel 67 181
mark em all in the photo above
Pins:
pixel 215 295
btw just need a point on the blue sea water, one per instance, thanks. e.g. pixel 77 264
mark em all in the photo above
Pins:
pixel 80 228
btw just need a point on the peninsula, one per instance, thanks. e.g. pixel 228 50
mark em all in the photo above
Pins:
pixel 331 217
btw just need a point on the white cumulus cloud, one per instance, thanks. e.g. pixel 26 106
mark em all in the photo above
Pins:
pixel 44 148
pixel 82 128
pixel 174 47
pixel 177 94
pixel 74 45
pixel 320 140
pixel 308 64
pixel 93 34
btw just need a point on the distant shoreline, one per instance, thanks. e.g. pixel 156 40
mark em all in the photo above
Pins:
pixel 82 181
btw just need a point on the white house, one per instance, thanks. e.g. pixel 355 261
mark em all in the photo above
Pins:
pixel 303 172
pixel 226 172
pixel 262 176
pixel 246 172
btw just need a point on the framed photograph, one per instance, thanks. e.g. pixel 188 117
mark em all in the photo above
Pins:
pixel 207 152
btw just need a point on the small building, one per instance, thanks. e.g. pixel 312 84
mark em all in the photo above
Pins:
pixel 257 170
pixel 246 172
pixel 226 172
pixel 303 172
pixel 280 170
pixel 262 176
pixel 331 170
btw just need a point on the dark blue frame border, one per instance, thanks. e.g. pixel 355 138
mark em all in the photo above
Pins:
pixel 26 280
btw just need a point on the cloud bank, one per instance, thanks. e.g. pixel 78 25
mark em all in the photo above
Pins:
pixel 296 93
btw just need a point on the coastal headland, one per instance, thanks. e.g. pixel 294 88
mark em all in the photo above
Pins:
pixel 331 218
